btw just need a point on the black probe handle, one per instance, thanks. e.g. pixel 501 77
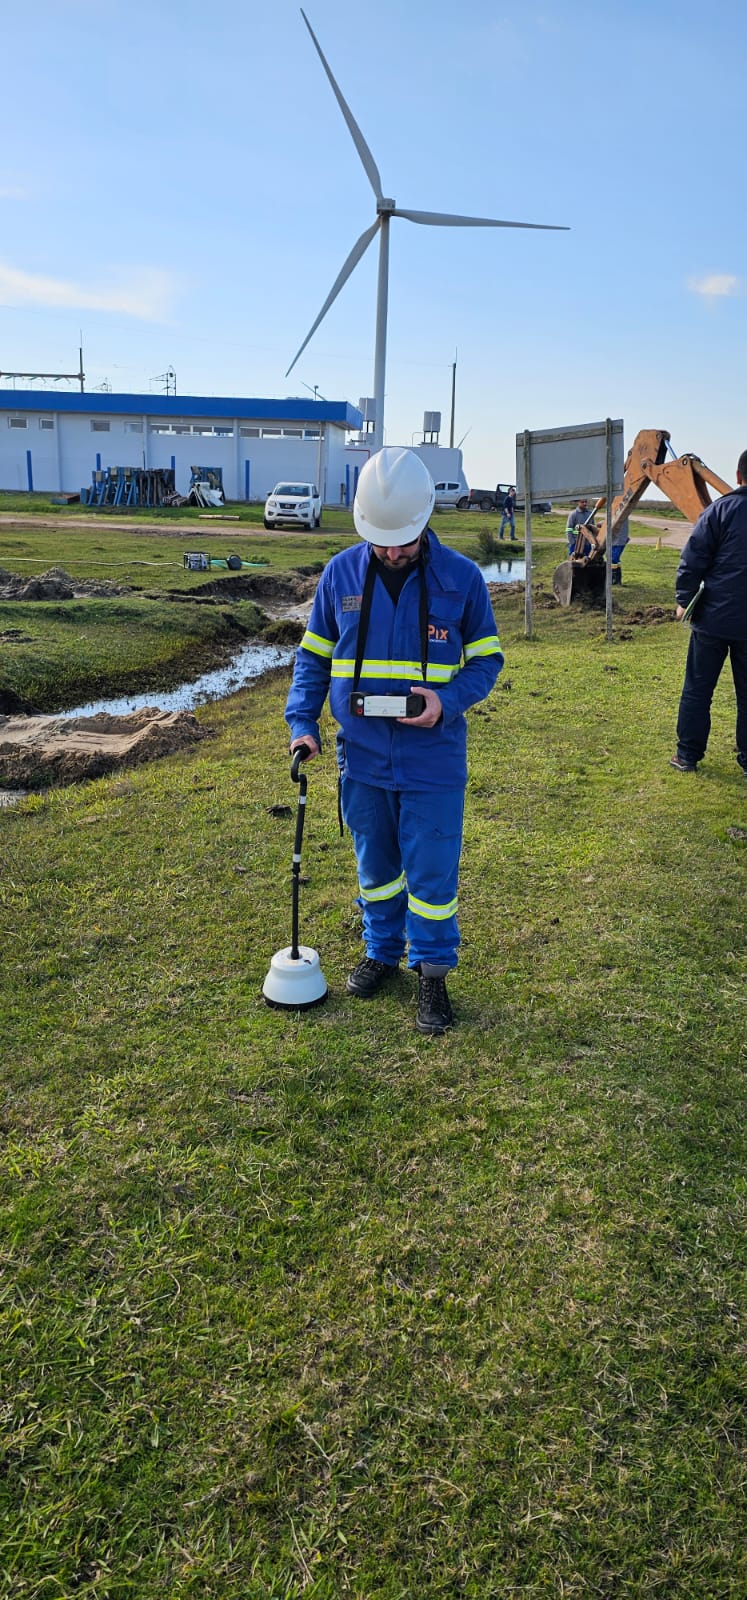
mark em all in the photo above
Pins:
pixel 301 753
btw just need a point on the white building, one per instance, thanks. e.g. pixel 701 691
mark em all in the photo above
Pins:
pixel 53 442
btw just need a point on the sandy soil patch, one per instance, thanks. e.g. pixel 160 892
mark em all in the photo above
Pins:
pixel 38 751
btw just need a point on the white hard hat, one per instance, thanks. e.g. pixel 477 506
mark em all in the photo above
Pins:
pixel 394 498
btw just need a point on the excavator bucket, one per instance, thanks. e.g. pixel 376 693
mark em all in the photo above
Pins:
pixel 574 582
pixel 562 583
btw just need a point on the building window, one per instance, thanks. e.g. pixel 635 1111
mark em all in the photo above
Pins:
pixel 311 433
pixel 249 433
pixel 133 427
pixel 223 433
pixel 272 433
pixel 46 422
pixel 293 433
pixel 100 427
pixel 16 422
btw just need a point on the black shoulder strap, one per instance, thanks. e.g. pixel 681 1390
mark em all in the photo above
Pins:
pixel 363 620
pixel 423 615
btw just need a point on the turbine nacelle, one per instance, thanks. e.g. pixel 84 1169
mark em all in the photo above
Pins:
pixel 386 207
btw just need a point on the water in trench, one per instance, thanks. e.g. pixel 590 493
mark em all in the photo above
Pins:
pixel 505 570
pixel 248 663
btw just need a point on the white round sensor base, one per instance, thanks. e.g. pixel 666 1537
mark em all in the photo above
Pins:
pixel 293 985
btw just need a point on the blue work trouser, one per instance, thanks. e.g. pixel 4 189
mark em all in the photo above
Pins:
pixel 508 517
pixel 705 658
pixel 407 848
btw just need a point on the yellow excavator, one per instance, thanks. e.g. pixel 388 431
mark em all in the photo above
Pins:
pixel 683 479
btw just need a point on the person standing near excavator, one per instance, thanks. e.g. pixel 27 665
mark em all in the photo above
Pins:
pixel 578 518
pixel 712 579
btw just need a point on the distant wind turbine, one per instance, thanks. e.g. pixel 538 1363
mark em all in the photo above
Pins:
pixel 385 209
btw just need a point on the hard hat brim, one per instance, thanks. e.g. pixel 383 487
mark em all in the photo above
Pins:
pixel 388 536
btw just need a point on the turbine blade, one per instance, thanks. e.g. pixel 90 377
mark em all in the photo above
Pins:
pixel 371 169
pixel 445 220
pixel 359 249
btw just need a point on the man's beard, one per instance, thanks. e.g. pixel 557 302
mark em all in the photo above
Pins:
pixel 396 566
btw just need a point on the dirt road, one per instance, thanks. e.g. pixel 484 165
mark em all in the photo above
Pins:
pixel 675 534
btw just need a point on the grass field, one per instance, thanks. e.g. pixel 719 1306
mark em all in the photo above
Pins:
pixel 308 1305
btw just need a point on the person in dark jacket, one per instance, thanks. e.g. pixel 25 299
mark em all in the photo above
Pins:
pixel 398 615
pixel 713 574
pixel 509 513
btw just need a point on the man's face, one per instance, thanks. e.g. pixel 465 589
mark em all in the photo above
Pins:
pixel 398 555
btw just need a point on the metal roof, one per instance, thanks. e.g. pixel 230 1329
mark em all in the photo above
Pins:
pixel 295 409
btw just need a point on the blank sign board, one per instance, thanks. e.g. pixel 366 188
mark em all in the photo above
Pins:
pixel 570 462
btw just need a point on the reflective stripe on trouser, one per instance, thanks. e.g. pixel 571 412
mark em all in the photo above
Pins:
pixel 407 847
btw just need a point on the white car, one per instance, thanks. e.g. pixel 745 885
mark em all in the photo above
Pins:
pixel 449 493
pixel 296 503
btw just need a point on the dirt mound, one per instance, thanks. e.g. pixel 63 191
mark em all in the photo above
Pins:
pixel 56 585
pixel 650 614
pixel 278 588
pixel 38 751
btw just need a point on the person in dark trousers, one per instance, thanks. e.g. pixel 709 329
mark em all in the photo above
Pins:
pixel 509 513
pixel 716 557
pixel 399 615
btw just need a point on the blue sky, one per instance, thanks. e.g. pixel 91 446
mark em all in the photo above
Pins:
pixel 178 182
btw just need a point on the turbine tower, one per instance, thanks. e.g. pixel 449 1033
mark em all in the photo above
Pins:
pixel 385 210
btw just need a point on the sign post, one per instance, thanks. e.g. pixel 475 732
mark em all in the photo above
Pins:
pixel 567 464
pixel 527 463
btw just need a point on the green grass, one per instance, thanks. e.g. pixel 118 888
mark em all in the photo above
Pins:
pixel 307 1305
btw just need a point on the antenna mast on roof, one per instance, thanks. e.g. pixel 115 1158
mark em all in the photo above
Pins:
pixel 52 377
pixel 168 379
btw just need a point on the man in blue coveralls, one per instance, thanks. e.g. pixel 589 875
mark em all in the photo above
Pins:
pixel 399 616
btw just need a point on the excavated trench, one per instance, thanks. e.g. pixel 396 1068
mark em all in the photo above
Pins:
pixel 38 751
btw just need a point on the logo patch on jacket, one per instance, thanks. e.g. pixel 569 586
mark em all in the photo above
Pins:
pixel 438 635
pixel 351 602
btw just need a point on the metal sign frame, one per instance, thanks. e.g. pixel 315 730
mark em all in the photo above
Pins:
pixel 588 459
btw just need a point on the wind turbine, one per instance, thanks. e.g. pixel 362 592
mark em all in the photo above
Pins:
pixel 385 210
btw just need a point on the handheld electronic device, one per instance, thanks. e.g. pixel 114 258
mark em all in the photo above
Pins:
pixel 387 705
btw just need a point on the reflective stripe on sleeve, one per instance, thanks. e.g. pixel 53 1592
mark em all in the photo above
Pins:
pixel 489 646
pixel 385 891
pixel 421 908
pixel 317 645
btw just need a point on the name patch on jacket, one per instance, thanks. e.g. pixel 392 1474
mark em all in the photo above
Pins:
pixel 439 634
pixel 351 602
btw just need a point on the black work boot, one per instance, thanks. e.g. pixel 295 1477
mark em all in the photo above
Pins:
pixel 434 1008
pixel 368 976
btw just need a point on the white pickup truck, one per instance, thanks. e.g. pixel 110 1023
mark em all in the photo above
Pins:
pixel 297 504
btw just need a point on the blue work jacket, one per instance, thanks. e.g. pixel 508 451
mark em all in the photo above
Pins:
pixel 464 659
pixel 716 551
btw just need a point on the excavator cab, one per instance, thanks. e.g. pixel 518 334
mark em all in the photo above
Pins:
pixel 684 480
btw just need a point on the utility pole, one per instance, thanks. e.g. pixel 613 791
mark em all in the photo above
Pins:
pixel 453 398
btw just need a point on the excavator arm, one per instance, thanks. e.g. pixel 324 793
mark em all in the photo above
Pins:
pixel 683 479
